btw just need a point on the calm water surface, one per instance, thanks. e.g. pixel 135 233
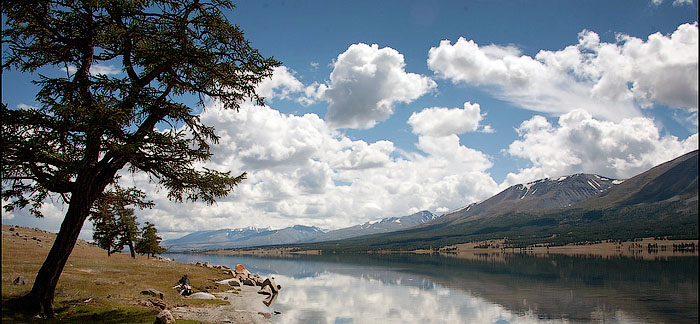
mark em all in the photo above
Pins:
pixel 496 289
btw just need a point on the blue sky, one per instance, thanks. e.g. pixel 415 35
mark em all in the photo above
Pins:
pixel 385 108
pixel 316 31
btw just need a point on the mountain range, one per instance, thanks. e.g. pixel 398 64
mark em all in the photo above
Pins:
pixel 581 207
pixel 240 237
pixel 661 202
pixel 385 225
pixel 251 236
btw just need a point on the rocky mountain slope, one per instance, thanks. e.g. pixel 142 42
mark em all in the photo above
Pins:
pixel 674 180
pixel 544 194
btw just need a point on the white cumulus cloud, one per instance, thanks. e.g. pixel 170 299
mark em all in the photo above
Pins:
pixel 609 80
pixel 663 69
pixel 366 83
pixel 581 143
pixel 439 121
pixel 302 171
pixel 682 2
pixel 281 85
pixel 284 85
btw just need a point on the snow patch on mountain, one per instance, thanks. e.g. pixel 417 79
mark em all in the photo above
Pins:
pixel 543 194
pixel 252 236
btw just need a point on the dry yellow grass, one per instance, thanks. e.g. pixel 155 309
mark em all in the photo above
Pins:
pixel 94 287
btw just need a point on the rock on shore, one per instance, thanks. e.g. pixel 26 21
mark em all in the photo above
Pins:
pixel 246 303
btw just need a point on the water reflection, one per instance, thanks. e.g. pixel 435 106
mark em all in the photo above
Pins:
pixel 337 298
pixel 509 289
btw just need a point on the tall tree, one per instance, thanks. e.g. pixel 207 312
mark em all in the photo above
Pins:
pixel 149 242
pixel 89 125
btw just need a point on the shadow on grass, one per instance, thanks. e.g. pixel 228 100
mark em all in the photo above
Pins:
pixel 71 313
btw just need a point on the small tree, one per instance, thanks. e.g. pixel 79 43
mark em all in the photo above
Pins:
pixel 149 243
pixel 114 223
pixel 129 230
pixel 105 228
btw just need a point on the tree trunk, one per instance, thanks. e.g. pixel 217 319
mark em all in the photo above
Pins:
pixel 131 249
pixel 40 299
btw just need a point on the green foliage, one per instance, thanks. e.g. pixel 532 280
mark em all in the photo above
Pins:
pixel 114 223
pixel 128 230
pixel 91 124
pixel 88 124
pixel 149 242
pixel 79 314
pixel 105 228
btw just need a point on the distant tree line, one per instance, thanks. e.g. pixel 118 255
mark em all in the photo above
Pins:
pixel 684 247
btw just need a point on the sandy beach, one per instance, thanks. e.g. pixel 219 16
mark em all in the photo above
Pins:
pixel 245 306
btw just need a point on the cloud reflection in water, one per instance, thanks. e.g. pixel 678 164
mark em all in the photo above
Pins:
pixel 339 298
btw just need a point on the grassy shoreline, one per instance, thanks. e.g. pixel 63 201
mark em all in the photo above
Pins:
pixel 95 288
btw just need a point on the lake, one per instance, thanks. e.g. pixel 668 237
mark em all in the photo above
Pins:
pixel 503 288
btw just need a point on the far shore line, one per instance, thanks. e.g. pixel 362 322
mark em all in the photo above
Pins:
pixel 645 248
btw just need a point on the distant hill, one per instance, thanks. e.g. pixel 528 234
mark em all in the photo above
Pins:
pixel 385 225
pixel 249 237
pixel 662 201
pixel 675 179
pixel 242 237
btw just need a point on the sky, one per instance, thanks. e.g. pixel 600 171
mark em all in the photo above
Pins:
pixel 387 108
